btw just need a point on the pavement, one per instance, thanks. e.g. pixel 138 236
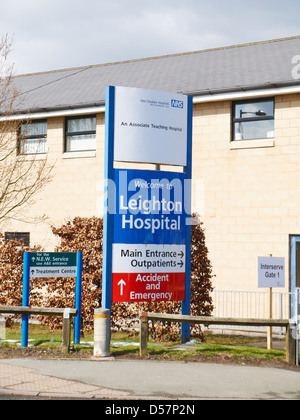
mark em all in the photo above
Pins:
pixel 110 379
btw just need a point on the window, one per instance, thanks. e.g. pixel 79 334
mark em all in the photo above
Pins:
pixel 253 120
pixel 80 134
pixel 18 236
pixel 33 138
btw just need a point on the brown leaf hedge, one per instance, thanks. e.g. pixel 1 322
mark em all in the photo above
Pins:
pixel 86 235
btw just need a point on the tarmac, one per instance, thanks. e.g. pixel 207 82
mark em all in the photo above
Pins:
pixel 110 379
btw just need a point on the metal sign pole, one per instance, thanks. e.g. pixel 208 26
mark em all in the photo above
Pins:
pixel 269 315
pixel 297 302
pixel 186 304
pixel 107 216
pixel 78 289
pixel 25 299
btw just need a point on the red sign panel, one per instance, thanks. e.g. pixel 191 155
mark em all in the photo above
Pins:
pixel 147 287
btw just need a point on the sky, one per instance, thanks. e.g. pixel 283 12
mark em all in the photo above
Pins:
pixel 56 34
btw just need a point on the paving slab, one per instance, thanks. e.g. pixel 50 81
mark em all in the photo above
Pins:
pixel 19 380
pixel 147 379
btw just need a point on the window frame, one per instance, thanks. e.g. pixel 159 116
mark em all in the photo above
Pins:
pixel 78 133
pixel 18 236
pixel 255 118
pixel 24 138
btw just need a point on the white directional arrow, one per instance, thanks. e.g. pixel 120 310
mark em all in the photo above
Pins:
pixel 121 284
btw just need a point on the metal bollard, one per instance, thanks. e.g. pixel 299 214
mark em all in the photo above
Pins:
pixel 101 332
pixel 2 327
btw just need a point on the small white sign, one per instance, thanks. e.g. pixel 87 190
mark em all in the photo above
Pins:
pixel 60 271
pixel 143 258
pixel 271 272
pixel 150 126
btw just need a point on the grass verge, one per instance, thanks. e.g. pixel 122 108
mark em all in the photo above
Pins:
pixel 123 345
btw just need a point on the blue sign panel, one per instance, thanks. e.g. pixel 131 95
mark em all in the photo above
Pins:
pixel 149 207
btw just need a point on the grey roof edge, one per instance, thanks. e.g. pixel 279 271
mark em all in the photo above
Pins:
pixel 66 107
pixel 265 86
pixel 203 93
pixel 162 56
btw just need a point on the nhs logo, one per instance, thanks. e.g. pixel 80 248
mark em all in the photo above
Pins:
pixel 176 104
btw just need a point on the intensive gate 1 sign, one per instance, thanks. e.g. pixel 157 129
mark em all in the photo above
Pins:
pixel 149 234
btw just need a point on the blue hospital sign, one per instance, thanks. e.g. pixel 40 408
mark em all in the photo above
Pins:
pixel 148 262
pixel 147 213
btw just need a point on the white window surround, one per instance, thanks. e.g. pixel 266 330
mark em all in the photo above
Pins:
pixel 251 144
pixel 78 154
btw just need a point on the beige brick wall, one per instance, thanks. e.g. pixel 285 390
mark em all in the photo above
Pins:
pixel 76 177
pixel 249 197
pixel 252 195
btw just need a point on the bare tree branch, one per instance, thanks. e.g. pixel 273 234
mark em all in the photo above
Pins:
pixel 21 176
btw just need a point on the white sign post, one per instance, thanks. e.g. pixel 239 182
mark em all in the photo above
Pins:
pixel 271 273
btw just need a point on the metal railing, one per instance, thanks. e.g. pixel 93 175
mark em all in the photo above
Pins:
pixel 250 304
